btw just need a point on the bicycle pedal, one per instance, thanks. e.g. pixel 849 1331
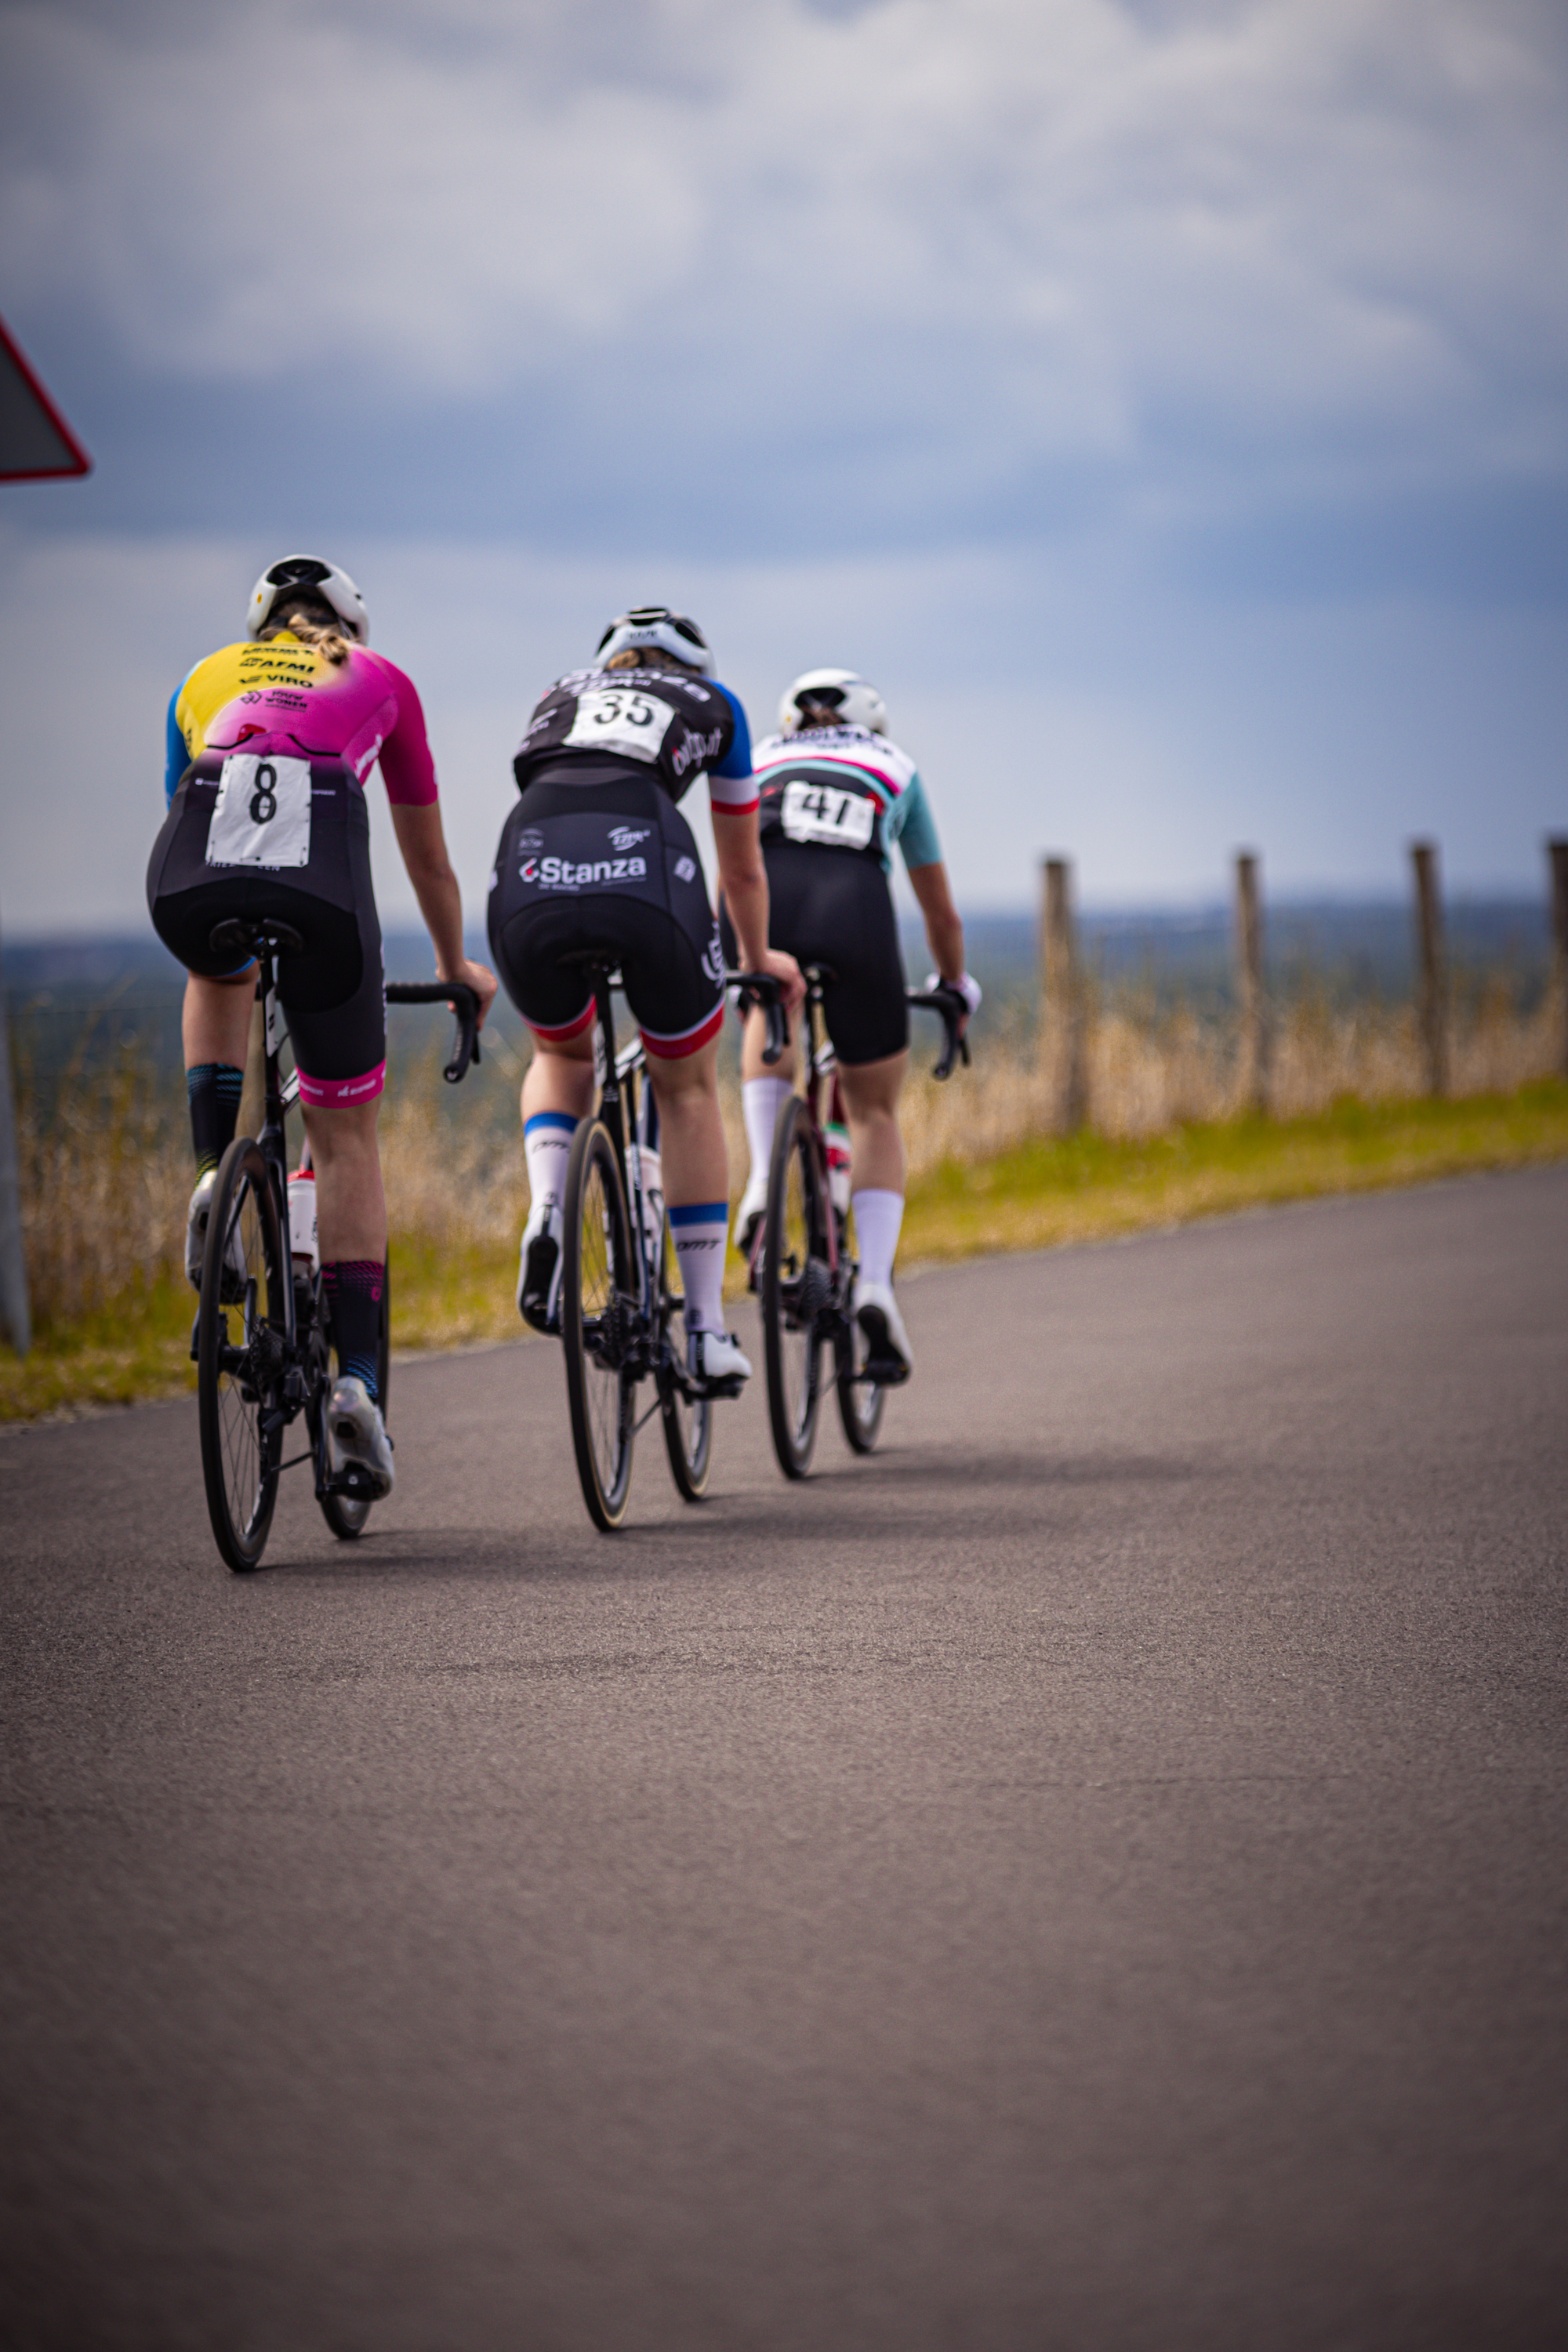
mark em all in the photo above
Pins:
pixel 886 1374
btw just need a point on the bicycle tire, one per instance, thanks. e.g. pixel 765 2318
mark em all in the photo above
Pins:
pixel 240 1363
pixel 598 1292
pixel 860 1402
pixel 688 1422
pixel 346 1513
pixel 794 1287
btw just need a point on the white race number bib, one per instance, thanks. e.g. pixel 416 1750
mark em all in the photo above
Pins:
pixel 617 718
pixel 262 814
pixel 822 812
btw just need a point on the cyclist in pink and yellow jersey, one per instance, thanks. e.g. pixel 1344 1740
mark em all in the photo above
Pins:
pixel 269 744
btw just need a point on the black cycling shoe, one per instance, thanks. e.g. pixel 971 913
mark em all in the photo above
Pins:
pixel 539 1282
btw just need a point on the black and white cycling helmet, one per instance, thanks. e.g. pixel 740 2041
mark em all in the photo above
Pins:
pixel 853 701
pixel 655 626
pixel 323 580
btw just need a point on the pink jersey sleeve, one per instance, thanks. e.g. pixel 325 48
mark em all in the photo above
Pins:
pixel 407 770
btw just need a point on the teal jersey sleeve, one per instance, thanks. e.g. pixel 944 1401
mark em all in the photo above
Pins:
pixel 911 824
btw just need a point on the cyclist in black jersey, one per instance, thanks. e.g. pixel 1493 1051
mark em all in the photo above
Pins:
pixel 835 795
pixel 597 855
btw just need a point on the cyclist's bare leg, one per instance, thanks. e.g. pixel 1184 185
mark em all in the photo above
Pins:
pixel 351 1204
pixel 216 1024
pixel 560 1078
pixel 692 1132
pixel 871 1092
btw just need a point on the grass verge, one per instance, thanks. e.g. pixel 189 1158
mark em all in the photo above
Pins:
pixel 1039 1195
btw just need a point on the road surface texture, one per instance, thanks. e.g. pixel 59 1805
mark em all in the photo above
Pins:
pixel 1092 1877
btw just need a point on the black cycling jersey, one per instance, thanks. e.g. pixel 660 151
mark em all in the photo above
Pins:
pixel 680 727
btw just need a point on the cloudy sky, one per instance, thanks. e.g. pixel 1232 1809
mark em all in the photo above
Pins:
pixel 1164 401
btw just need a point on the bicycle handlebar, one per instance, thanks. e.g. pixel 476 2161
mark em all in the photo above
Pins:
pixel 760 989
pixel 952 1006
pixel 464 1004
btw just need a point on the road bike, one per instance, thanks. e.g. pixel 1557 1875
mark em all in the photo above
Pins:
pixel 802 1268
pixel 263 1342
pixel 619 1296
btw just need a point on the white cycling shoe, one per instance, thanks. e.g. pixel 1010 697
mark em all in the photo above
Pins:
pixel 196 1217
pixel 888 1356
pixel 714 1360
pixel 356 1435
pixel 539 1267
pixel 750 1213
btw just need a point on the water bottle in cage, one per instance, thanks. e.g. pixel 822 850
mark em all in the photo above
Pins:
pixel 303 1242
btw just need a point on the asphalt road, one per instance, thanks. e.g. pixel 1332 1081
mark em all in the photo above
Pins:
pixel 1092 1877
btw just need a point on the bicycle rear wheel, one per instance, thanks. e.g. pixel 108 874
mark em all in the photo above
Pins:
pixel 598 1289
pixel 688 1421
pixel 796 1286
pixel 860 1402
pixel 240 1327
pixel 346 1513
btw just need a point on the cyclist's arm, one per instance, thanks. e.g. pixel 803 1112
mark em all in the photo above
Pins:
pixel 744 880
pixel 417 824
pixel 945 929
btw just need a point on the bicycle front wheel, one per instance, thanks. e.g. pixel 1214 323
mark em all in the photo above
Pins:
pixel 241 1348
pixel 796 1286
pixel 598 1293
pixel 346 1513
pixel 688 1421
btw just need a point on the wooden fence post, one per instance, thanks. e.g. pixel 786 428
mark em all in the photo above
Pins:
pixel 1252 1068
pixel 1064 1000
pixel 1431 972
pixel 15 1314
pixel 1557 851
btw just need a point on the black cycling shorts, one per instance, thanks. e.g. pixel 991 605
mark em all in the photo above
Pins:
pixel 608 863
pixel 334 995
pixel 833 907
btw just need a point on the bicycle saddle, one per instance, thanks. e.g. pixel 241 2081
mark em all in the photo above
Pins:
pixel 248 934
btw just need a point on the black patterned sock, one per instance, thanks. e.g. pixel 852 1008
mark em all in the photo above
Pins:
pixel 214 1088
pixel 353 1287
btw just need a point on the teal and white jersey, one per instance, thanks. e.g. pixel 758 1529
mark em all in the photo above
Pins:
pixel 843 788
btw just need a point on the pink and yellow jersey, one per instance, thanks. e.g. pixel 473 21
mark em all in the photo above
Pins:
pixel 285 698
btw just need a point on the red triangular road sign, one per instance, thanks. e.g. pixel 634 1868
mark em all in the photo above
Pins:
pixel 35 442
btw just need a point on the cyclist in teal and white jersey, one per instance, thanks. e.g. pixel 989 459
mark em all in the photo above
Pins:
pixel 835 797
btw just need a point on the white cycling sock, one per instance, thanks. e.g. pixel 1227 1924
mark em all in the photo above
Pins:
pixel 878 1216
pixel 546 1141
pixel 698 1232
pixel 761 1102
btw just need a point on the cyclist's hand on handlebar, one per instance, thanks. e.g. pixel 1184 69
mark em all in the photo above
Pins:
pixel 791 980
pixel 477 976
pixel 970 990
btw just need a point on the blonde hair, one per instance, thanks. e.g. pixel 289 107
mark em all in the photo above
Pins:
pixel 645 657
pixel 297 614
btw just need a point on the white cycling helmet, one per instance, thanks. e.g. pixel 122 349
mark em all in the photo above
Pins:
pixel 853 701
pixel 656 625
pixel 323 580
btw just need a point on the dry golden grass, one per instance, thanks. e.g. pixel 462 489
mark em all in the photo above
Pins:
pixel 105 1179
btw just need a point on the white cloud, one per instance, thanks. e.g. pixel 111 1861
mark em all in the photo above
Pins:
pixel 1005 226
